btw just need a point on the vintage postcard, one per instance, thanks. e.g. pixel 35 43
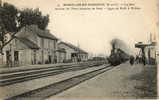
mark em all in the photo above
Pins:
pixel 79 49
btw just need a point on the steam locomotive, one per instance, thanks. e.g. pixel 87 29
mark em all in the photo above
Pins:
pixel 117 57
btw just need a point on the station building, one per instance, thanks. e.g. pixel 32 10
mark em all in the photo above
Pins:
pixel 31 45
pixel 61 55
pixel 73 53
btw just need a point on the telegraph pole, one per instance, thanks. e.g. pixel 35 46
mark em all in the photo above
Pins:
pixel 0 2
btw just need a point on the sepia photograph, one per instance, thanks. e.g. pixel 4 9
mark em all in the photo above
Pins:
pixel 79 49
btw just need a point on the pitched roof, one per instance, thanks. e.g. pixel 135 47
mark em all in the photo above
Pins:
pixel 79 50
pixel 48 35
pixel 28 43
pixel 41 33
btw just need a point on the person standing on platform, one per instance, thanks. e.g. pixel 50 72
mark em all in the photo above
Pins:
pixel 131 60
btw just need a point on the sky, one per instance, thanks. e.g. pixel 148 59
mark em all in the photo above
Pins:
pixel 93 30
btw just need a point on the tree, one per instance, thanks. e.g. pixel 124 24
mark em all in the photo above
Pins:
pixel 8 16
pixel 33 16
pixel 13 19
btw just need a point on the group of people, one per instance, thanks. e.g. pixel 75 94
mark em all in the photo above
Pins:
pixel 138 59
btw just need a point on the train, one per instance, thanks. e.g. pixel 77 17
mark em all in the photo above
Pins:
pixel 117 57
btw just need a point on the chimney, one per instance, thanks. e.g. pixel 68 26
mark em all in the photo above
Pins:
pixel 150 37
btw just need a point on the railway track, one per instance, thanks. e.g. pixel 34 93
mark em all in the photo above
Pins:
pixel 12 70
pixel 58 87
pixel 8 78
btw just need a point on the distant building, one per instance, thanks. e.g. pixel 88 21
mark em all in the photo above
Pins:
pixel 61 55
pixel 31 45
pixel 73 53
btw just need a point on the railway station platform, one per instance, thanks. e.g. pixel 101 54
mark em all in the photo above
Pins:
pixel 121 82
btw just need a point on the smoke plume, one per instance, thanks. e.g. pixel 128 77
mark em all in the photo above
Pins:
pixel 117 43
